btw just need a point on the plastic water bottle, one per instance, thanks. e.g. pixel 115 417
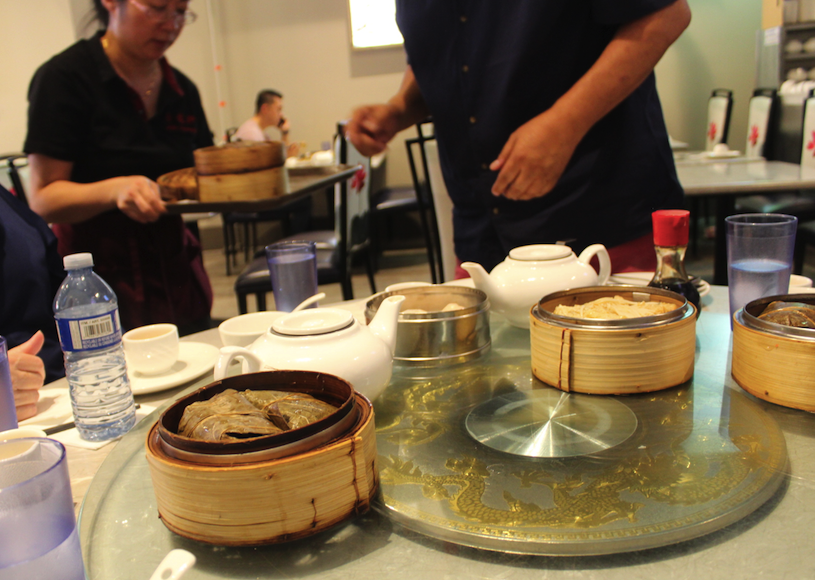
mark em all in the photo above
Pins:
pixel 87 316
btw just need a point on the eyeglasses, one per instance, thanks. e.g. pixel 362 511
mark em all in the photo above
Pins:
pixel 166 13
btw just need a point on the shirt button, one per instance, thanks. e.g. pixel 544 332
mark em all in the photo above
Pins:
pixel 472 120
pixel 463 19
pixel 495 211
pixel 465 68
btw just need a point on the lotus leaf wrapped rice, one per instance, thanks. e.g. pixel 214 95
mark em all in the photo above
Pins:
pixel 795 314
pixel 239 415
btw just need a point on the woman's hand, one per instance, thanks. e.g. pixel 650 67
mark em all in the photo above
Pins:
pixel 27 375
pixel 138 198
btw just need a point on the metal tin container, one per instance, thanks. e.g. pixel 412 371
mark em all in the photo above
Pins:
pixel 428 335
pixel 634 355
pixel 772 361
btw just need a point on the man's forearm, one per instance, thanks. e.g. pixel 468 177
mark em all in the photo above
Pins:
pixel 625 63
pixel 409 102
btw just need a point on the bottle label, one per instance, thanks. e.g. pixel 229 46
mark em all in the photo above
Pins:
pixel 90 333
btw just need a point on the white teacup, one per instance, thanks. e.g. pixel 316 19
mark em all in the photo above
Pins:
pixel 151 349
pixel 243 330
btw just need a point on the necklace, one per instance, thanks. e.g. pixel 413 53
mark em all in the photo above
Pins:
pixel 155 73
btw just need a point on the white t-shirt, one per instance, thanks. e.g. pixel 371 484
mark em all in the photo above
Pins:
pixel 250 131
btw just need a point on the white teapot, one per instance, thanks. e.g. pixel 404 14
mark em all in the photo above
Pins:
pixel 531 272
pixel 328 340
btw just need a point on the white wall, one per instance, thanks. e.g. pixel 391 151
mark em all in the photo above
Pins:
pixel 718 50
pixel 302 48
pixel 30 33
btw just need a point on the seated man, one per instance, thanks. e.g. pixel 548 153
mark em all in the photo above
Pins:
pixel 268 113
pixel 31 272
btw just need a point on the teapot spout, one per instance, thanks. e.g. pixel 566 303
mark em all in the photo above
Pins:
pixel 385 321
pixel 482 280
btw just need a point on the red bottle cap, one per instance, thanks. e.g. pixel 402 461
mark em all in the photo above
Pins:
pixel 671 227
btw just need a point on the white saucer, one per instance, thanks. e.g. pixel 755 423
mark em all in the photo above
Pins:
pixel 642 279
pixel 194 359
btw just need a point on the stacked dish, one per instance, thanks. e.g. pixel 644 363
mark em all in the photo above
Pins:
pixel 271 488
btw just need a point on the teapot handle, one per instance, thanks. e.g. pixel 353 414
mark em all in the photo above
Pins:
pixel 600 251
pixel 251 362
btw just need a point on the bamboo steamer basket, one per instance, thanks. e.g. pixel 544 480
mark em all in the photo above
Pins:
pixel 270 501
pixel 771 361
pixel 239 157
pixel 613 357
pixel 253 185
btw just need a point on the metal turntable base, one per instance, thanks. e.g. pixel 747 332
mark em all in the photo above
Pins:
pixel 550 423
pixel 490 457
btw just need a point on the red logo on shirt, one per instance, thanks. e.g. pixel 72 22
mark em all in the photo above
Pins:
pixel 180 122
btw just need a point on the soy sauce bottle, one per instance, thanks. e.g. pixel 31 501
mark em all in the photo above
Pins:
pixel 670 243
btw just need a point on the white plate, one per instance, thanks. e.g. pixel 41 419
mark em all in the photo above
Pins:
pixel 194 359
pixel 721 154
pixel 642 279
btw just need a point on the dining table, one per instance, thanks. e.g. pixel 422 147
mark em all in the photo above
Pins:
pixel 727 178
pixel 713 483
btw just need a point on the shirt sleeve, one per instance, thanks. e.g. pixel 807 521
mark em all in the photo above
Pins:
pixel 250 131
pixel 59 112
pixel 614 12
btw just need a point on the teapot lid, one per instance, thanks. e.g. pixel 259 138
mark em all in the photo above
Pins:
pixel 313 321
pixel 540 252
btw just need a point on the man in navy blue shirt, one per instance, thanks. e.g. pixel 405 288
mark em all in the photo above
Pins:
pixel 547 119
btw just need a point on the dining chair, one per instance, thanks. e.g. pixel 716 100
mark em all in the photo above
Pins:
pixel 761 116
pixel 337 248
pixel 388 203
pixel 14 163
pixel 719 108
pixel 424 181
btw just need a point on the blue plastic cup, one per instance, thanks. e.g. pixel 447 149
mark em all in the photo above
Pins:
pixel 760 250
pixel 293 268
pixel 38 534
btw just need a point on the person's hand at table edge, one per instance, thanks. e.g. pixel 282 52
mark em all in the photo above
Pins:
pixel 27 375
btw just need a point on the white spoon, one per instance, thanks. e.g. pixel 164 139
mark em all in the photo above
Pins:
pixel 174 565
pixel 309 301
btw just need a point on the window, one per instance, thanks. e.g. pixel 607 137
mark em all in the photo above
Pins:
pixel 373 23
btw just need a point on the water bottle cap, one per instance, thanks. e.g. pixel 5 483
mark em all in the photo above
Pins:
pixel 76 261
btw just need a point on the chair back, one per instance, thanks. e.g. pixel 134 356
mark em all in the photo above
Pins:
pixel 16 165
pixel 719 107
pixel 808 133
pixel 760 118
pixel 351 198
